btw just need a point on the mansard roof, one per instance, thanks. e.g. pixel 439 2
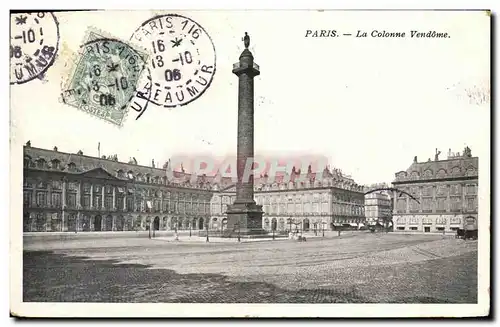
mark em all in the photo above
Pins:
pixel 454 167
pixel 74 163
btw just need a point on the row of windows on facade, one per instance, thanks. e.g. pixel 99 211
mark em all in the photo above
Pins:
pixel 377 213
pixel 55 201
pixel 53 222
pixel 441 173
pixel 440 204
pixel 147 178
pixel 108 189
pixel 306 197
pixel 346 185
pixel 426 229
pixel 341 209
pixel 427 220
pixel 441 190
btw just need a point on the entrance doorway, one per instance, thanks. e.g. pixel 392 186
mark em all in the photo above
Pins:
pixel 274 224
pixel 306 224
pixel 156 223
pixel 427 229
pixel 200 223
pixel 97 223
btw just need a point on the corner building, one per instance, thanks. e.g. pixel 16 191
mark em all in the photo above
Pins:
pixel 72 192
pixel 446 191
pixel 378 205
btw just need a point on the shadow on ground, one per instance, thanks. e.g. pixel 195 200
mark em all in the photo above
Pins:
pixel 49 277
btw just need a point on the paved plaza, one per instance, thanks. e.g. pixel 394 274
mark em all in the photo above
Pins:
pixel 355 267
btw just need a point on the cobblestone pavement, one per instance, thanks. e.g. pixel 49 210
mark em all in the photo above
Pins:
pixel 355 268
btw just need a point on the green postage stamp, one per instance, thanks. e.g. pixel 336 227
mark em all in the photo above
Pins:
pixel 105 78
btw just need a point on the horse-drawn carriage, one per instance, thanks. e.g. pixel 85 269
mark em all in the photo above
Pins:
pixel 469 230
pixel 466 234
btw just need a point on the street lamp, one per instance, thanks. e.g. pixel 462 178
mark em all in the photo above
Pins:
pixel 208 240
pixel 189 229
pixel 323 229
pixel 239 230
pixel 290 222
pixel 176 231
pixel 315 229
pixel 149 227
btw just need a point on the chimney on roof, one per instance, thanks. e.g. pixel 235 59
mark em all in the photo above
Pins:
pixel 415 159
pixel 28 144
pixel 55 148
pixel 153 163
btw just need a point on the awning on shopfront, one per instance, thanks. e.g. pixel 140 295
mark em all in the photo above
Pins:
pixel 337 224
pixel 353 224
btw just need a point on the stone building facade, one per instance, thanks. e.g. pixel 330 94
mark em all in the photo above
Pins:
pixel 446 192
pixel 72 192
pixel 67 192
pixel 309 204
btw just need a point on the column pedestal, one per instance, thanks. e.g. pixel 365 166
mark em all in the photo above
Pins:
pixel 244 219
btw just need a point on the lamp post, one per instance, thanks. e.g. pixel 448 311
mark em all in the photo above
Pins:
pixel 189 229
pixel 149 228
pixel 176 231
pixel 274 228
pixel 315 229
pixel 239 230
pixel 323 229
pixel 208 240
pixel 290 223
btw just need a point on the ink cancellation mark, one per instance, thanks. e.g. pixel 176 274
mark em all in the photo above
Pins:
pixel 105 78
pixel 182 62
pixel 34 41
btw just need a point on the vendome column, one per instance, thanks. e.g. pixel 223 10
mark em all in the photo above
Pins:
pixel 245 216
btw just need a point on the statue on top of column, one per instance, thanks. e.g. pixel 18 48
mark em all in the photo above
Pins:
pixel 246 40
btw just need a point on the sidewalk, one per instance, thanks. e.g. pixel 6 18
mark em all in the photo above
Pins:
pixel 213 239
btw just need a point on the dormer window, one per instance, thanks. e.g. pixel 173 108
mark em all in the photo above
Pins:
pixel 27 161
pixel 71 166
pixel 55 164
pixel 40 163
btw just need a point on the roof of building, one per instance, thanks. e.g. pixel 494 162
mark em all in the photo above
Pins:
pixel 75 163
pixel 453 167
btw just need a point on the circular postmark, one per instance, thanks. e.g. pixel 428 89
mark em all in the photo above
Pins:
pixel 182 59
pixel 105 78
pixel 34 40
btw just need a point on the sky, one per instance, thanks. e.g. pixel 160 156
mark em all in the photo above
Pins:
pixel 367 104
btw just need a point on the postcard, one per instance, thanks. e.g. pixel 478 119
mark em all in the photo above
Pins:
pixel 215 163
